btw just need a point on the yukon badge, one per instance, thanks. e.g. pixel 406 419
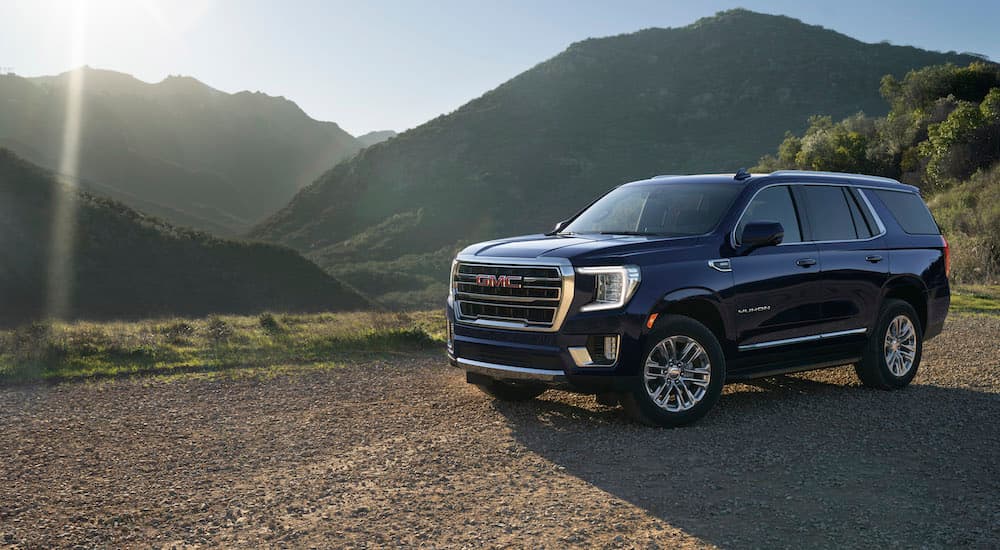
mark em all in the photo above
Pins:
pixel 757 309
pixel 500 281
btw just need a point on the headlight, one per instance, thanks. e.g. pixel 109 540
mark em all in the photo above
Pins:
pixel 613 285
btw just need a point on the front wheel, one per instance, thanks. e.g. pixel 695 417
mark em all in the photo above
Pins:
pixel 681 377
pixel 893 352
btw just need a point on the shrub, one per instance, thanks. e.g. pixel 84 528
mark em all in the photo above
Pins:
pixel 270 324
pixel 219 330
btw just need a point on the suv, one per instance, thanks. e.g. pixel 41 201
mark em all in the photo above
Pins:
pixel 663 290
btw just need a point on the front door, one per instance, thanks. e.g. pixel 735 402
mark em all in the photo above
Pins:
pixel 776 291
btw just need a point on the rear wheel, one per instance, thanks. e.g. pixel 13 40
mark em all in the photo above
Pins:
pixel 511 391
pixel 893 352
pixel 681 377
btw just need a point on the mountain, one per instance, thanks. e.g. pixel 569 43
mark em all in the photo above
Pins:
pixel 709 97
pixel 177 149
pixel 378 136
pixel 126 264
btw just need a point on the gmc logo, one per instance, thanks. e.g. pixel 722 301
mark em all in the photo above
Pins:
pixel 501 281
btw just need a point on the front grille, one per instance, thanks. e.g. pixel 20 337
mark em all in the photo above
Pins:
pixel 532 298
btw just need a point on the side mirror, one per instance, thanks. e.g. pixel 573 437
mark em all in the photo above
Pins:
pixel 559 227
pixel 758 234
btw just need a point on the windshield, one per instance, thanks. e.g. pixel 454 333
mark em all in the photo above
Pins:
pixel 673 210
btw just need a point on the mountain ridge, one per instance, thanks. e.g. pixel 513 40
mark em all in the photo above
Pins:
pixel 178 145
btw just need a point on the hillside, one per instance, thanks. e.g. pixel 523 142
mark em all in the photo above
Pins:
pixel 126 264
pixel 177 149
pixel 378 136
pixel 712 96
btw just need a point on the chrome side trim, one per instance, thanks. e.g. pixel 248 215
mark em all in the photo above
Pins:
pixel 878 221
pixel 565 268
pixel 510 372
pixel 801 339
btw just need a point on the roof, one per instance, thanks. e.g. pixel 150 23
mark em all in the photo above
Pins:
pixel 784 175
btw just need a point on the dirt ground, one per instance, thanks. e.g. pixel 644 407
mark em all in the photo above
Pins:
pixel 403 453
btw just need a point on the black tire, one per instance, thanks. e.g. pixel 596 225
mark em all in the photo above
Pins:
pixel 873 369
pixel 511 391
pixel 638 402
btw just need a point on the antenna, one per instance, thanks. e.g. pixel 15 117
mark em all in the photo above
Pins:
pixel 741 174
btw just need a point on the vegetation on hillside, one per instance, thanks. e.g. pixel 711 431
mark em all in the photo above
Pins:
pixel 942 134
pixel 177 149
pixel 711 96
pixel 126 264
pixel 62 351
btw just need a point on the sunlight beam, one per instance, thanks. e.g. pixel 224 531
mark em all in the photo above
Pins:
pixel 63 229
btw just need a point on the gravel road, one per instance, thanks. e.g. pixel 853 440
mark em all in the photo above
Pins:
pixel 403 452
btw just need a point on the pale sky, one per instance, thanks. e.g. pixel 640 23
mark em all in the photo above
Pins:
pixel 382 64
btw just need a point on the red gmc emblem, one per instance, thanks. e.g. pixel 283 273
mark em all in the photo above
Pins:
pixel 502 281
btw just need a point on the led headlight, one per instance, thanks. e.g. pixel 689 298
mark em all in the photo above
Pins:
pixel 613 285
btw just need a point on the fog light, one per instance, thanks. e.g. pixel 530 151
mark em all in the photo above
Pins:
pixel 611 348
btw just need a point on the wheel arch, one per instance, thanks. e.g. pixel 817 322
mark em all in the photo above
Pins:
pixel 701 304
pixel 910 289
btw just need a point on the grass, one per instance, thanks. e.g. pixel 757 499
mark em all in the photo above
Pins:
pixel 80 350
pixel 976 299
pixel 264 344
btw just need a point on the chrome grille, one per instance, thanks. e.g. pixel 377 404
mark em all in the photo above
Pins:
pixel 534 302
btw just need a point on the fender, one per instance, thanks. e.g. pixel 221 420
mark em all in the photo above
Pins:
pixel 696 294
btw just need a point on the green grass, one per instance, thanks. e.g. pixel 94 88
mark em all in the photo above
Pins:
pixel 88 350
pixel 976 299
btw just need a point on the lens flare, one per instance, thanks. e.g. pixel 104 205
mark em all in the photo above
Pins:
pixel 63 229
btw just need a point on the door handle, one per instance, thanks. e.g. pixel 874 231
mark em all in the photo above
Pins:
pixel 805 262
pixel 873 258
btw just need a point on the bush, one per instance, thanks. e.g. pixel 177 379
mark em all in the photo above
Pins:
pixel 219 330
pixel 270 324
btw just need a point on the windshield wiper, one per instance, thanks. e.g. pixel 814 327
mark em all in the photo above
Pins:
pixel 635 233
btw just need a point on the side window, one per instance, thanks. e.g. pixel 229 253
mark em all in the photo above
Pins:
pixel 829 214
pixel 910 211
pixel 773 204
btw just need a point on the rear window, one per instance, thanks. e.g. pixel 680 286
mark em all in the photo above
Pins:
pixel 910 211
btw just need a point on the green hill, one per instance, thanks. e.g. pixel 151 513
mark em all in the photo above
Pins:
pixel 126 264
pixel 709 97
pixel 177 149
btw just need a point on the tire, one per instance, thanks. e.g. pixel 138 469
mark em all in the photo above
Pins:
pixel 897 331
pixel 507 391
pixel 652 400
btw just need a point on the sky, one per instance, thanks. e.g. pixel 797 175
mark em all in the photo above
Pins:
pixel 384 64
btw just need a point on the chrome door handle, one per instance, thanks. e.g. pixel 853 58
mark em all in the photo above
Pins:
pixel 873 259
pixel 805 262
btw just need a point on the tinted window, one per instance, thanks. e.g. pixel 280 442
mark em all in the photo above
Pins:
pixel 910 211
pixel 861 225
pixel 773 204
pixel 671 209
pixel 829 214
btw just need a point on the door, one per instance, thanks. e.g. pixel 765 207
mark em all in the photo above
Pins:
pixel 776 291
pixel 855 264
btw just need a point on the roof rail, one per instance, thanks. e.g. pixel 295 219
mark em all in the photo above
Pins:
pixel 820 173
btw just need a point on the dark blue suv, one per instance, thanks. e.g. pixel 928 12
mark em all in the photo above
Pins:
pixel 663 290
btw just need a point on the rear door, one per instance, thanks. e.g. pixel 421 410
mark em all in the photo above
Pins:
pixel 852 251
pixel 776 287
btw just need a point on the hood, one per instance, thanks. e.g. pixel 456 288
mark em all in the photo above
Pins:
pixel 574 246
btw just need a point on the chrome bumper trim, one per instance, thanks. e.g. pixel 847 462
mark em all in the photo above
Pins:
pixel 510 372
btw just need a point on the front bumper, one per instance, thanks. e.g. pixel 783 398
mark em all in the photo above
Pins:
pixel 545 358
